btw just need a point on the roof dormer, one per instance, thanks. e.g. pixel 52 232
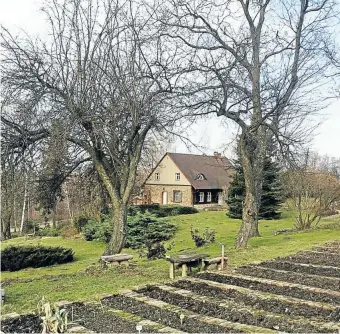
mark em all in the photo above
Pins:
pixel 200 177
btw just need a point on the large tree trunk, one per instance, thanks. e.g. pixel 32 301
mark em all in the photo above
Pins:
pixel 118 236
pixel 252 163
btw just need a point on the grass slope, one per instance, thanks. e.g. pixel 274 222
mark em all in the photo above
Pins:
pixel 83 280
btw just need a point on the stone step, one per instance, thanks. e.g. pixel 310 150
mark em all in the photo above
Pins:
pixel 200 322
pixel 314 269
pixel 267 301
pixel 247 316
pixel 319 281
pixel 276 287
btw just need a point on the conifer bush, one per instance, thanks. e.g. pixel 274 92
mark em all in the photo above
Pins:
pixel 14 258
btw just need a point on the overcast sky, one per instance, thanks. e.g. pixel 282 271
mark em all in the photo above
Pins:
pixel 211 134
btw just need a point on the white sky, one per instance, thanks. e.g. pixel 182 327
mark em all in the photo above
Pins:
pixel 211 134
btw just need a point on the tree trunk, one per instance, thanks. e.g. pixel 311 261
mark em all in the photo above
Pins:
pixel 252 163
pixel 117 241
pixel 23 208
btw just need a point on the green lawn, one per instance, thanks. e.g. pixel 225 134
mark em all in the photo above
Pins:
pixel 72 281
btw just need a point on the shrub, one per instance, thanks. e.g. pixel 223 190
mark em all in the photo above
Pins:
pixel 49 232
pixel 207 237
pixel 69 232
pixel 100 231
pixel 80 222
pixel 14 258
pixel 162 211
pixel 30 226
pixel 144 229
pixel 155 251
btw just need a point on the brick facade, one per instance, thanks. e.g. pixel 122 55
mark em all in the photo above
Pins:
pixel 156 194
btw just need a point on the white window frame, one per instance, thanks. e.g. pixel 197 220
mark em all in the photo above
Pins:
pixel 209 196
pixel 201 197
pixel 177 176
pixel 157 176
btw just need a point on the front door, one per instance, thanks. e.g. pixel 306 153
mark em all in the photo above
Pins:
pixel 220 198
pixel 165 197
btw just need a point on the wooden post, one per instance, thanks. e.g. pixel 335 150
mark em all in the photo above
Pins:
pixel 222 259
pixel 172 270
pixel 184 270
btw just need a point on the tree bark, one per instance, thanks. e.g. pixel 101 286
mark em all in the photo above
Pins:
pixel 23 207
pixel 252 157
pixel 118 236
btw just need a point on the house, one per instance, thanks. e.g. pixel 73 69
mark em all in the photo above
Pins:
pixel 189 180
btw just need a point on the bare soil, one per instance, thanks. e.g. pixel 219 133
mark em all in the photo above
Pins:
pixel 160 315
pixel 292 277
pixel 299 268
pixel 231 313
pixel 295 292
pixel 29 323
pixel 272 304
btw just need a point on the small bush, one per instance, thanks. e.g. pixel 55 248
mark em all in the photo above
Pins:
pixel 155 251
pixel 49 232
pixel 69 232
pixel 162 211
pixel 30 226
pixel 80 222
pixel 207 237
pixel 144 229
pixel 100 231
pixel 14 258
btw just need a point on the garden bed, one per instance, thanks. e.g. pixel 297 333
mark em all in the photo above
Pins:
pixel 27 323
pixel 303 268
pixel 271 304
pixel 162 315
pixel 99 320
pixel 284 290
pixel 232 313
pixel 292 277
pixel 320 258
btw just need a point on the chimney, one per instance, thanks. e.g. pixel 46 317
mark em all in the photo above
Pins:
pixel 217 155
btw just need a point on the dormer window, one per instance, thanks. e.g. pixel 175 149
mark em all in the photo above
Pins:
pixel 200 177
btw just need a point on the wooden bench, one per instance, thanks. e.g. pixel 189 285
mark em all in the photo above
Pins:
pixel 215 262
pixel 185 262
pixel 29 236
pixel 117 259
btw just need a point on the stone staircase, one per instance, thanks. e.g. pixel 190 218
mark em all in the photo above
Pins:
pixel 296 294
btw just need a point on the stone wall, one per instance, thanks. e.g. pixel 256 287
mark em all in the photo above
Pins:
pixel 156 192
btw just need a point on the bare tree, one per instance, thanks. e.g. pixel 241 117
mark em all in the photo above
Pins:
pixel 258 63
pixel 99 75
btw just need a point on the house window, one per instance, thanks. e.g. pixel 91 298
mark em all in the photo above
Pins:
pixel 201 194
pixel 157 176
pixel 177 176
pixel 177 196
pixel 209 196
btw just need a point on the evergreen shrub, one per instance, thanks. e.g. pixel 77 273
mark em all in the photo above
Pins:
pixel 14 258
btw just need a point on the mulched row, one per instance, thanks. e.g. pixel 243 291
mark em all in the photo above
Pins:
pixel 295 292
pixel 232 313
pixel 29 323
pixel 100 321
pixel 298 268
pixel 162 316
pixel 319 258
pixel 271 304
pixel 292 277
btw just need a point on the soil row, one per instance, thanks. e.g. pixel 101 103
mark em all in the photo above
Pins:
pixel 301 268
pixel 271 304
pixel 162 315
pixel 234 314
pixel 292 277
pixel 100 321
pixel 286 290
pixel 29 323
pixel 320 258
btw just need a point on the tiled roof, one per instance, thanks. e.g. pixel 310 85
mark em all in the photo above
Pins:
pixel 217 170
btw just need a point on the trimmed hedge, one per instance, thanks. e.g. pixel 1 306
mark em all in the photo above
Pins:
pixel 162 210
pixel 14 258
